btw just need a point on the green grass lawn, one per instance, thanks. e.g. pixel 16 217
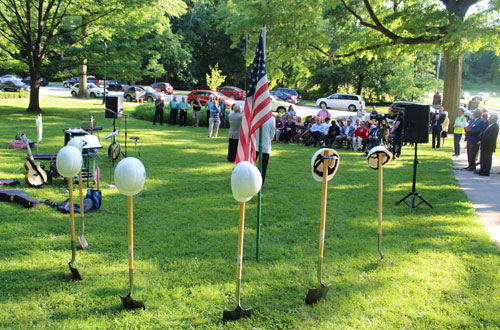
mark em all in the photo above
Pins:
pixel 441 269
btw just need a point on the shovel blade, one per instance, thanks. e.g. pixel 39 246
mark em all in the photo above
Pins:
pixel 232 315
pixel 130 303
pixel 74 272
pixel 314 295
pixel 83 242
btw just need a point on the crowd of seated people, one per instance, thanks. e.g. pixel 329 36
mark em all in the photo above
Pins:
pixel 356 135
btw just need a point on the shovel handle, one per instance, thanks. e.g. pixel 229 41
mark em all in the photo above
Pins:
pixel 241 228
pixel 71 208
pixel 380 203
pixel 323 205
pixel 81 198
pixel 131 234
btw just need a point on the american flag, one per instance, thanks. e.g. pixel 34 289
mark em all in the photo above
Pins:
pixel 257 105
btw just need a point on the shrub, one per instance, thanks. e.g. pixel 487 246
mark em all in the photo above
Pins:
pixel 10 95
pixel 147 112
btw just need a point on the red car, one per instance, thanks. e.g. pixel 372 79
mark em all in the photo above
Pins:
pixel 234 92
pixel 163 87
pixel 205 95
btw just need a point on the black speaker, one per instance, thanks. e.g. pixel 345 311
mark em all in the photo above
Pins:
pixel 416 124
pixel 114 107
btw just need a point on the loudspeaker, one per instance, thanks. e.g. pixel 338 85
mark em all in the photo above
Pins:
pixel 114 107
pixel 416 125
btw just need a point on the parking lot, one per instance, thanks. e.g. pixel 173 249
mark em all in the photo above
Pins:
pixel 302 110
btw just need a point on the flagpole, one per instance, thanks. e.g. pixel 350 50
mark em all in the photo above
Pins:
pixel 259 197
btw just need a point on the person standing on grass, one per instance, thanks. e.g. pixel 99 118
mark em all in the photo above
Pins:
pixel 361 113
pixel 323 113
pixel 196 111
pixel 397 134
pixel 159 104
pixel 436 127
pixel 235 118
pixel 472 132
pixel 488 140
pixel 214 119
pixel 458 131
pixel 268 129
pixel 223 108
pixel 174 109
pixel 209 103
pixel 446 125
pixel 183 106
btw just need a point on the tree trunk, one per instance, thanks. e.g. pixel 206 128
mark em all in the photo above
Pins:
pixel 452 85
pixel 359 87
pixel 35 74
pixel 82 91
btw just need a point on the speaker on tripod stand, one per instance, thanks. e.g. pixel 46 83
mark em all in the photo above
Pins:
pixel 415 131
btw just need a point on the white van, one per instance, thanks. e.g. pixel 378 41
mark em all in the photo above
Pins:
pixel 342 101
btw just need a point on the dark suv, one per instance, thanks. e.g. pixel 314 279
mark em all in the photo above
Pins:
pixel 295 94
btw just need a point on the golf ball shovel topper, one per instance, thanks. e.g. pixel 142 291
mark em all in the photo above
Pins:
pixel 69 164
pixel 130 176
pixel 377 158
pixel 324 165
pixel 246 181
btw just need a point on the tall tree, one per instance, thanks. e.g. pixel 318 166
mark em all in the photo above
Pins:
pixel 440 26
pixel 27 29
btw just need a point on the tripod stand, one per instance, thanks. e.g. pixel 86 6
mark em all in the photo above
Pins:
pixel 413 193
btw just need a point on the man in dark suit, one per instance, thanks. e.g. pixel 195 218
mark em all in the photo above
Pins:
pixel 472 131
pixel 437 120
pixel 488 142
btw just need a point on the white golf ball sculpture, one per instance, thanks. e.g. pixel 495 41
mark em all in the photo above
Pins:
pixel 76 142
pixel 246 181
pixel 130 176
pixel 69 161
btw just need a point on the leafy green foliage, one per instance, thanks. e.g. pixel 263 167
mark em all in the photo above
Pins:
pixel 440 269
pixel 215 78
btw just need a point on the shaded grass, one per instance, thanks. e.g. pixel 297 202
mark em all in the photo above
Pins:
pixel 441 269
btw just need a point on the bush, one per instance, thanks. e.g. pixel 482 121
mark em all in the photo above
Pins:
pixel 10 95
pixel 147 112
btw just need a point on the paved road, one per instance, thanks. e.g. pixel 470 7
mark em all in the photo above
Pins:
pixel 482 192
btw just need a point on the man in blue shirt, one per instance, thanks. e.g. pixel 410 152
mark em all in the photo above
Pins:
pixel 472 131
pixel 214 119
pixel 174 109
pixel 183 105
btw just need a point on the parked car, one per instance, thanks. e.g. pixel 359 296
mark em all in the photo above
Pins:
pixel 482 97
pixel 295 94
pixel 12 77
pixel 234 92
pixel 205 94
pixel 342 101
pixel 43 81
pixel 13 86
pixel 72 81
pixel 401 105
pixel 163 87
pixel 133 93
pixel 114 85
pixel 93 90
pixel 465 95
pixel 283 96
pixel 280 106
